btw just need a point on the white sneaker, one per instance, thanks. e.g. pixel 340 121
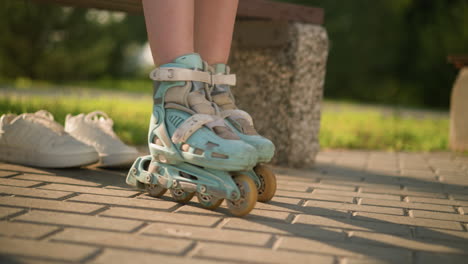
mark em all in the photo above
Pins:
pixel 95 129
pixel 37 140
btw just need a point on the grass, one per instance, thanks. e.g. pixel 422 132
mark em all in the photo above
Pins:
pixel 130 116
pixel 367 128
pixel 126 85
pixel 374 130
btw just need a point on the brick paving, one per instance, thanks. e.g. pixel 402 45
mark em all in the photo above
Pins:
pixel 351 207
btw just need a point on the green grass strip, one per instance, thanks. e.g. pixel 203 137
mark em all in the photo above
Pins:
pixel 347 128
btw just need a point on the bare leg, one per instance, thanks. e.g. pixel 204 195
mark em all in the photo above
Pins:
pixel 214 24
pixel 170 28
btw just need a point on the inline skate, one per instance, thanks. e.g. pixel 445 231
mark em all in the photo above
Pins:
pixel 242 124
pixel 193 150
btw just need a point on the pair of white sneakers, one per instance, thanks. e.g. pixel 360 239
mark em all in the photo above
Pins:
pixel 35 139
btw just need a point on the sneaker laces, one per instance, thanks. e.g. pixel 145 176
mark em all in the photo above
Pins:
pixel 103 121
pixel 45 119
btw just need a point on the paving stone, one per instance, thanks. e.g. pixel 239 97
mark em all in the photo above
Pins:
pixel 195 209
pixel 438 215
pixel 436 201
pixel 329 197
pixel 281 201
pixel 122 240
pixel 358 194
pixel 29 260
pixel 344 249
pixel 349 209
pixel 460 197
pixel 152 203
pixel 56 179
pixel 464 210
pixel 7 173
pixel 326 186
pixel 383 190
pixel 48 204
pixel 6 211
pixel 383 172
pixel 207 234
pixel 91 190
pixel 275 205
pixel 370 260
pixel 406 220
pixel 387 240
pixel 441 234
pixel 76 220
pixel 24 230
pixel 23 169
pixel 398 204
pixel 276 228
pixel 145 215
pixel 373 180
pixel 308 195
pixel 292 188
pixel 355 207
pixel 125 256
pixel 19 183
pixel 342 177
pixel 246 254
pixel 380 182
pixel 23 247
pixel 353 224
pixel 433 258
pixel 32 192
pixel 423 174
pixel 267 215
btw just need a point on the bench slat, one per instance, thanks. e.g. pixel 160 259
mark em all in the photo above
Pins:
pixel 247 8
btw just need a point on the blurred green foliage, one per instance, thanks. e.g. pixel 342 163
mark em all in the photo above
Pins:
pixel 393 51
pixel 50 42
pixel 384 51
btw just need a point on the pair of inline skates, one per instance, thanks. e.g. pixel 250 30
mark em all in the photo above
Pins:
pixel 200 143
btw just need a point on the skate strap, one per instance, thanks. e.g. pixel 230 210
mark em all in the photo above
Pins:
pixel 229 79
pixel 180 74
pixel 237 114
pixel 189 126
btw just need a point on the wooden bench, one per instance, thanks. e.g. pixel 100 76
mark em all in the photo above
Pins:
pixel 279 54
pixel 459 105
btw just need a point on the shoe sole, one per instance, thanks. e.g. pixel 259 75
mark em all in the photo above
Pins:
pixel 46 160
pixel 118 160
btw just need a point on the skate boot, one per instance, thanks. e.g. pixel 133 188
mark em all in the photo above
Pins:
pixel 241 122
pixel 193 150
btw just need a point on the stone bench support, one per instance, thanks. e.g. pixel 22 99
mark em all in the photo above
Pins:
pixel 280 69
pixel 459 112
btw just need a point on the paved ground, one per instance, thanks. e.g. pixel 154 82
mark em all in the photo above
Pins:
pixel 353 207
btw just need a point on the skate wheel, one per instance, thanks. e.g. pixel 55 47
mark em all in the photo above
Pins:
pixel 155 190
pixel 208 201
pixel 267 178
pixel 248 196
pixel 182 196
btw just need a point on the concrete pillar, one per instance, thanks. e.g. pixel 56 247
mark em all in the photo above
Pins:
pixel 280 69
pixel 459 112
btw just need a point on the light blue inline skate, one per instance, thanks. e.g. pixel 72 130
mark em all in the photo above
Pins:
pixel 193 150
pixel 242 124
